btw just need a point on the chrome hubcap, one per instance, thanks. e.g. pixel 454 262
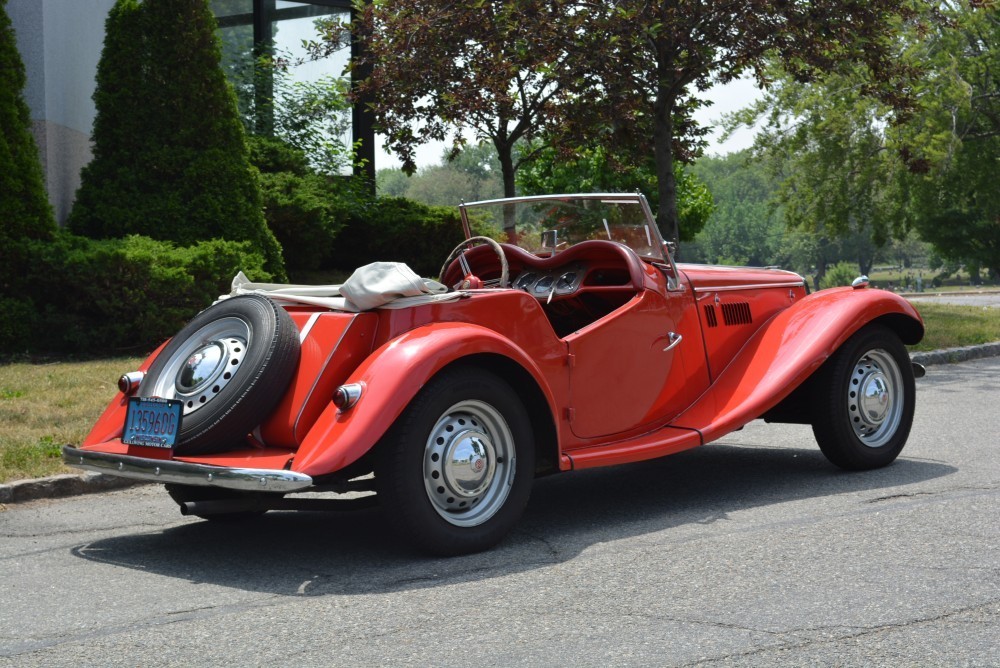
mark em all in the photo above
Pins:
pixel 469 463
pixel 873 398
pixel 204 364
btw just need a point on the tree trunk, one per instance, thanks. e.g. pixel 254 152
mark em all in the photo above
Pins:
pixel 505 153
pixel 663 151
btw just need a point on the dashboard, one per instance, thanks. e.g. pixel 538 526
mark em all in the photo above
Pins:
pixel 544 284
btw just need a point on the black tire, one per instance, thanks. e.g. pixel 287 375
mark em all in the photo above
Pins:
pixel 864 397
pixel 445 477
pixel 249 349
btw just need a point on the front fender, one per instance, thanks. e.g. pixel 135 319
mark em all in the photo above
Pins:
pixel 392 376
pixel 788 349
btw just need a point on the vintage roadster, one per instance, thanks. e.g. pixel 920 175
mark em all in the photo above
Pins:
pixel 578 342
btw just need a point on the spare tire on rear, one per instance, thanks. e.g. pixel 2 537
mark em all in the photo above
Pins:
pixel 230 366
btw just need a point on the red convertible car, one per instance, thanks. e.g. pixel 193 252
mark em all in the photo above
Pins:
pixel 577 342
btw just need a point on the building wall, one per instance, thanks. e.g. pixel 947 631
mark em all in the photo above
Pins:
pixel 60 42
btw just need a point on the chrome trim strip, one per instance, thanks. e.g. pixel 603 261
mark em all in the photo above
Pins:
pixel 326 363
pixel 304 334
pixel 186 473
pixel 756 286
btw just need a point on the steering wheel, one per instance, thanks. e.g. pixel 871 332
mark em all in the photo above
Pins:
pixel 470 280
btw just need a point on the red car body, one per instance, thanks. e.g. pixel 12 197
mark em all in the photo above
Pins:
pixel 639 358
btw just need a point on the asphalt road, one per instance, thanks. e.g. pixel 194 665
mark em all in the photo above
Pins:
pixel 749 552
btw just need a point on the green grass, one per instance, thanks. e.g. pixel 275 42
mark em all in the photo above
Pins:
pixel 952 326
pixel 44 406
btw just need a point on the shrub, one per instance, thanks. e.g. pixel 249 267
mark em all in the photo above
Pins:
pixel 111 296
pixel 170 156
pixel 304 210
pixel 399 230
pixel 842 273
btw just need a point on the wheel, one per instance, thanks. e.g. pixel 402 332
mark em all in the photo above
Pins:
pixel 863 400
pixel 454 473
pixel 184 493
pixel 469 280
pixel 230 365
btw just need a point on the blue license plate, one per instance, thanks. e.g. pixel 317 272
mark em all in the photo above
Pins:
pixel 152 422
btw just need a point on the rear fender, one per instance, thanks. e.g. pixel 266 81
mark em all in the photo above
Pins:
pixel 112 420
pixel 788 349
pixel 392 376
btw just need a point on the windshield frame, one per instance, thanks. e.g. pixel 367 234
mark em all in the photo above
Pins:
pixel 664 256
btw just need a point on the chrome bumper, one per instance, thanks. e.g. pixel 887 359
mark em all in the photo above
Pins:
pixel 184 473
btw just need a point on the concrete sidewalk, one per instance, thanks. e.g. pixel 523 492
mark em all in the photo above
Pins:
pixel 70 484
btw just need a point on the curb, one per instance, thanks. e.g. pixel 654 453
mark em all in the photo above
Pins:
pixel 58 486
pixel 954 355
pixel 69 484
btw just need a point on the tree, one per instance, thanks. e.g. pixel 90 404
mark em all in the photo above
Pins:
pixel 952 144
pixel 827 147
pixel 170 156
pixel 24 204
pixel 473 174
pixel 652 60
pixel 25 214
pixel 745 228
pixel 492 68
pixel 858 168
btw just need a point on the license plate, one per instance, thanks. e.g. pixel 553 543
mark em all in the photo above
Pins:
pixel 152 422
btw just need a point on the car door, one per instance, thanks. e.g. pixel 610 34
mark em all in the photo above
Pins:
pixel 639 366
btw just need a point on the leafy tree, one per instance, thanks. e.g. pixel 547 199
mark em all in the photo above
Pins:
pixel 649 63
pixel 952 145
pixel 745 228
pixel 857 168
pixel 170 156
pixel 472 174
pixel 827 148
pixel 491 68
pixel 25 214
pixel 24 204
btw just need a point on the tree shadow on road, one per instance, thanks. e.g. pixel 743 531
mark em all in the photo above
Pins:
pixel 681 498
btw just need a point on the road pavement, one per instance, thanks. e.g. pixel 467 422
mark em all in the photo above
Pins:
pixel 753 551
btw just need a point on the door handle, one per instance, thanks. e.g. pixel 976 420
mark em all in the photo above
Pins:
pixel 675 338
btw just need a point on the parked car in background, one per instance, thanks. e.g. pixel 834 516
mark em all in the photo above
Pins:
pixel 577 342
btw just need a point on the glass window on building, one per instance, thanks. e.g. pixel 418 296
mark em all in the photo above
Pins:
pixel 282 91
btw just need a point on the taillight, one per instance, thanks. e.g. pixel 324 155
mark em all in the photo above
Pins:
pixel 129 383
pixel 346 396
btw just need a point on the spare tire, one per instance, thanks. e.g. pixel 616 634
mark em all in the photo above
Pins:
pixel 230 366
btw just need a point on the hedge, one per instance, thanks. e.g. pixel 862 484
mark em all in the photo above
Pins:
pixel 119 295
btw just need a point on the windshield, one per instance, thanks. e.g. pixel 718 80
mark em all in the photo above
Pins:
pixel 550 224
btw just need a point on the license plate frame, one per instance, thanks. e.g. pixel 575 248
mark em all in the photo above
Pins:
pixel 152 422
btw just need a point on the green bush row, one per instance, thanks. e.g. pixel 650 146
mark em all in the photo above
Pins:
pixel 78 295
pixel 85 296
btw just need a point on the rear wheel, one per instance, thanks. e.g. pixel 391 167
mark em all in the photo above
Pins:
pixel 455 472
pixel 864 398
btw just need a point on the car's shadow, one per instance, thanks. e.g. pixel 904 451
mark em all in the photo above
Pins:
pixel 307 553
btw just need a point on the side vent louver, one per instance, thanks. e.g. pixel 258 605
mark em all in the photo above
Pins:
pixel 710 316
pixel 736 313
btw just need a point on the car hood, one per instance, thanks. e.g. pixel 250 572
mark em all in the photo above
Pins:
pixel 706 277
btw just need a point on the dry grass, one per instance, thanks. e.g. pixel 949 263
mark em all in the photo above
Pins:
pixel 44 406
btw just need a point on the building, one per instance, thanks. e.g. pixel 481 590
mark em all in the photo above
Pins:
pixel 60 43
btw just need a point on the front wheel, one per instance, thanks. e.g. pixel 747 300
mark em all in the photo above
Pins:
pixel 455 472
pixel 864 399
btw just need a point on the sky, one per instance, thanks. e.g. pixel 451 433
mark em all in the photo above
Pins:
pixel 728 98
